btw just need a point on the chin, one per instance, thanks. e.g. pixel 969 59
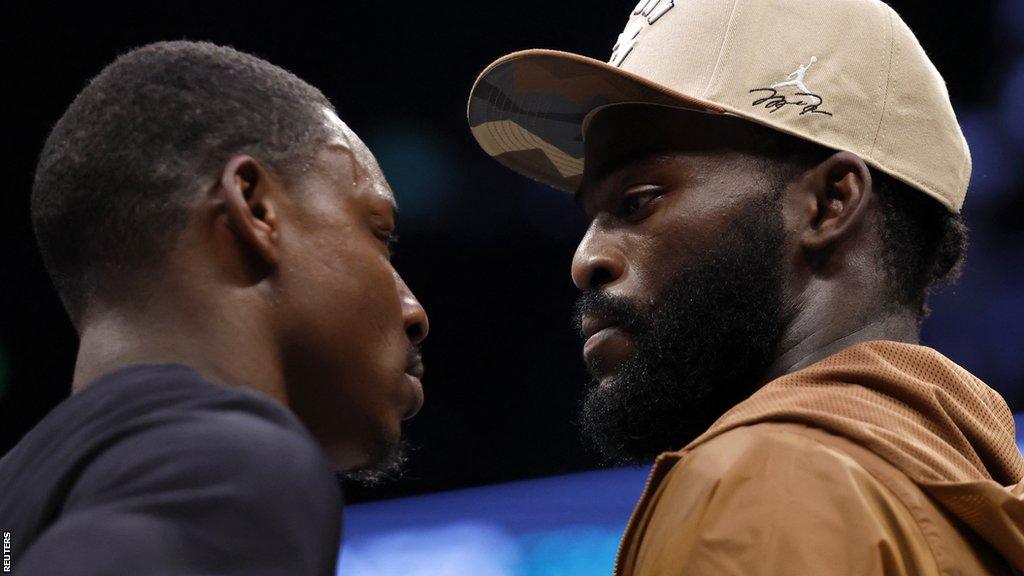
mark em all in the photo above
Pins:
pixel 384 466
pixel 606 380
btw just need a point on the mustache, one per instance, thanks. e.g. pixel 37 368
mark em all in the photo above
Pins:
pixel 626 313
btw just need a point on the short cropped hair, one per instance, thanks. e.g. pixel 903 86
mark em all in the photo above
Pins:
pixel 923 243
pixel 144 140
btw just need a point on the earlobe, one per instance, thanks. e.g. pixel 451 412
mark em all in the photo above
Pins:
pixel 245 187
pixel 840 188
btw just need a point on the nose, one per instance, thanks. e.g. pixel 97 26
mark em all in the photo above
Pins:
pixel 597 263
pixel 414 316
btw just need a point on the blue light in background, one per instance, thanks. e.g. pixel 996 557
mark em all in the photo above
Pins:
pixel 1019 420
pixel 989 155
pixel 1010 17
pixel 570 551
pixel 419 169
pixel 454 549
pixel 564 526
pixel 1011 106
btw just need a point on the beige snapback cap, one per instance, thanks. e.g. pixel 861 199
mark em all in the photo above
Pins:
pixel 847 74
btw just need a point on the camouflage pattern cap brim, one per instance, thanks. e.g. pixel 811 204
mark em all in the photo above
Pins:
pixel 527 110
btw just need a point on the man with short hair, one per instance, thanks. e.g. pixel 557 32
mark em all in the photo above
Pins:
pixel 754 278
pixel 221 241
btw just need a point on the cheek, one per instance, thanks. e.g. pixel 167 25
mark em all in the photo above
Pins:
pixel 377 306
pixel 346 347
pixel 345 291
pixel 672 240
pixel 342 338
pixel 366 301
pixel 648 258
pixel 658 252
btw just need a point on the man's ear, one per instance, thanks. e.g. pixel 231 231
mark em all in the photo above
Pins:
pixel 837 195
pixel 245 187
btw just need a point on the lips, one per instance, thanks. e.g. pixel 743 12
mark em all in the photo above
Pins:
pixel 591 325
pixel 608 344
pixel 414 367
pixel 414 375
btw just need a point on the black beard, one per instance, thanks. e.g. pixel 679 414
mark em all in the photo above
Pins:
pixel 703 347
pixel 387 465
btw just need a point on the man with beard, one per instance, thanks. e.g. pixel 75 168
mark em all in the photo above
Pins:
pixel 221 241
pixel 754 277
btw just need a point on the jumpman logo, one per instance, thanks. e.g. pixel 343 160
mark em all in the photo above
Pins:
pixel 805 100
pixel 796 77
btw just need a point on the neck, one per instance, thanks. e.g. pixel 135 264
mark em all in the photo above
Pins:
pixel 809 341
pixel 207 340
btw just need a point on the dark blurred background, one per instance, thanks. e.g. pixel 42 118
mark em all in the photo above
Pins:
pixel 486 251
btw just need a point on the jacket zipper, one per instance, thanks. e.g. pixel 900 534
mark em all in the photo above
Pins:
pixel 653 478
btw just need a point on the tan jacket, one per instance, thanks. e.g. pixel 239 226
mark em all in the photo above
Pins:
pixel 885 458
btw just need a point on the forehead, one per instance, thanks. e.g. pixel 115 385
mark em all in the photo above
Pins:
pixel 351 163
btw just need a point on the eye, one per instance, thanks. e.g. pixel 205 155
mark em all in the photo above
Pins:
pixel 389 239
pixel 637 200
pixel 392 243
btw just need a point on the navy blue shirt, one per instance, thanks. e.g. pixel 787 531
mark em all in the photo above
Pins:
pixel 153 470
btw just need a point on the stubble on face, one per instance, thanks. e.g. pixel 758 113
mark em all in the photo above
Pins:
pixel 700 349
pixel 387 464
